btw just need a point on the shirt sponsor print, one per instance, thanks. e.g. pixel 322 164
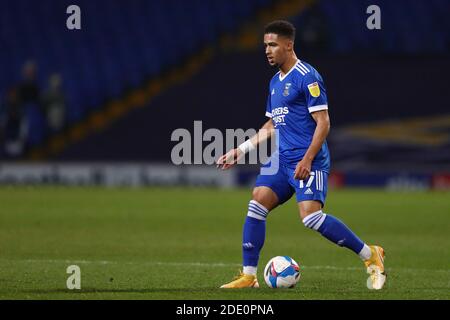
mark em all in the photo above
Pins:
pixel 279 114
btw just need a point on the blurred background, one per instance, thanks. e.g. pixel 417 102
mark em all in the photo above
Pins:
pixel 97 106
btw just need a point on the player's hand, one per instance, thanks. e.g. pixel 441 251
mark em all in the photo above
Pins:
pixel 302 170
pixel 229 159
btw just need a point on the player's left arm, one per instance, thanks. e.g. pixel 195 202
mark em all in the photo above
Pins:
pixel 317 103
pixel 322 119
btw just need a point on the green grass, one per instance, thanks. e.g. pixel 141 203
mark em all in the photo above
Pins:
pixel 184 243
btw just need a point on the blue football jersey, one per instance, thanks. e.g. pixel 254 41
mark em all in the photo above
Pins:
pixel 292 99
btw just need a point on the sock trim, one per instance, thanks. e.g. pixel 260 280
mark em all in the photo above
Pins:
pixel 256 216
pixel 314 220
pixel 249 270
pixel 312 215
pixel 259 206
pixel 319 223
pixel 365 252
pixel 257 210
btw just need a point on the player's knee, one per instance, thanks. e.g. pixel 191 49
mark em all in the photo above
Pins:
pixel 257 195
pixel 307 208
pixel 304 213
pixel 265 197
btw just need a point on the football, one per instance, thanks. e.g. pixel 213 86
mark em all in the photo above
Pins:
pixel 282 272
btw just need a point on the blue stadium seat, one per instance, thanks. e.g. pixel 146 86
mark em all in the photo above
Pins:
pixel 122 43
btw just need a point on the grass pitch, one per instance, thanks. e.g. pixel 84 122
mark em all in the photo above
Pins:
pixel 185 243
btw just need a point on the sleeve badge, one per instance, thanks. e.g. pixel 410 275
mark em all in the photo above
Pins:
pixel 314 89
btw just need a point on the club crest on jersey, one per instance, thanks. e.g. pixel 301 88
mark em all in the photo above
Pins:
pixel 314 89
pixel 286 89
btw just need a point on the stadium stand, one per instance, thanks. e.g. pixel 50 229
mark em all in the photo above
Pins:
pixel 123 45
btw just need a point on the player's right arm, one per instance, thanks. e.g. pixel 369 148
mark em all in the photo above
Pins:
pixel 231 157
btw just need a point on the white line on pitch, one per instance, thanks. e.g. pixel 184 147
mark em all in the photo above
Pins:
pixel 203 264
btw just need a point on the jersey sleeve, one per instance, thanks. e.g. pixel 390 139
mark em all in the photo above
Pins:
pixel 268 107
pixel 315 94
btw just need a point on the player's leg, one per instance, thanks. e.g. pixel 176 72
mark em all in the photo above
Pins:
pixel 254 230
pixel 311 195
pixel 331 228
pixel 269 192
pixel 253 237
pixel 336 231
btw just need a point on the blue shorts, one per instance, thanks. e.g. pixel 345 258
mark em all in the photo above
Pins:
pixel 284 185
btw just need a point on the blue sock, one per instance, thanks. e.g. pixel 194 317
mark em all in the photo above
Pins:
pixel 254 233
pixel 334 230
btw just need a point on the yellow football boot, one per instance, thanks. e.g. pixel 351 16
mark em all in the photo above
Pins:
pixel 242 281
pixel 375 267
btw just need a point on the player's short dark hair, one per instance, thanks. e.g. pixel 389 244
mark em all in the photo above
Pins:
pixel 282 28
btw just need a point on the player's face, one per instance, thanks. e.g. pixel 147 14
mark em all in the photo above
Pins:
pixel 277 49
